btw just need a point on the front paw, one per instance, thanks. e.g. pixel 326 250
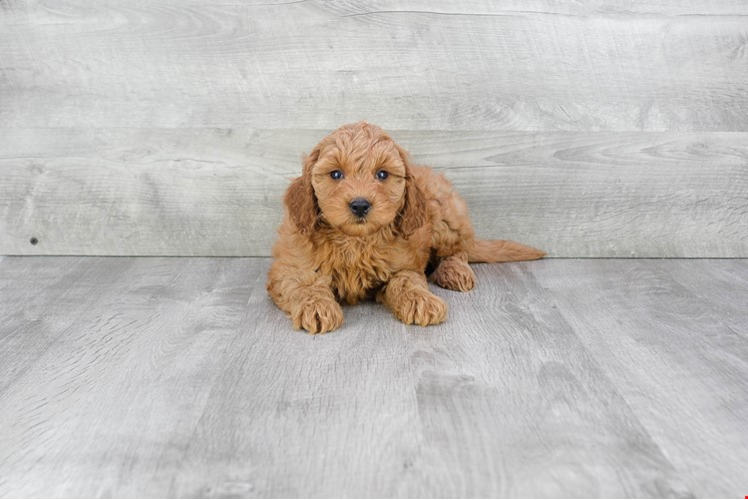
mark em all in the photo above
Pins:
pixel 318 316
pixel 420 308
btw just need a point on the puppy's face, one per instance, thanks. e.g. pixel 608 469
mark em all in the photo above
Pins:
pixel 359 179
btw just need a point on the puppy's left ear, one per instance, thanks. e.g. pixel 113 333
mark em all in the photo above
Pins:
pixel 413 212
pixel 300 199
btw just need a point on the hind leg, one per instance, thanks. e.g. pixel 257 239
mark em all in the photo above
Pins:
pixel 452 235
pixel 452 232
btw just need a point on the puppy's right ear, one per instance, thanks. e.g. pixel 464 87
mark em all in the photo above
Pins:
pixel 299 198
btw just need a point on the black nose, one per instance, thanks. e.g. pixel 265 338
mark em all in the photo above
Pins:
pixel 360 207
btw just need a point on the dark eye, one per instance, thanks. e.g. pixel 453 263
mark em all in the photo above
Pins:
pixel 382 175
pixel 336 174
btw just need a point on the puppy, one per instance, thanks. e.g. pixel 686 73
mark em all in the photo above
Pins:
pixel 362 222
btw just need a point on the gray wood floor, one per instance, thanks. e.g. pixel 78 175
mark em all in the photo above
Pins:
pixel 178 377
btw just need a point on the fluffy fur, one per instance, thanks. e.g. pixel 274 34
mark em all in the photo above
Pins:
pixel 326 254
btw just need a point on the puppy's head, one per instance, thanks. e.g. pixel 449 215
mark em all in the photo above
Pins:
pixel 358 181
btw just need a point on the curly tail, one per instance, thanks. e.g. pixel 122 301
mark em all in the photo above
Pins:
pixel 501 251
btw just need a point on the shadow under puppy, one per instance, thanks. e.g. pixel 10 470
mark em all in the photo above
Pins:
pixel 362 222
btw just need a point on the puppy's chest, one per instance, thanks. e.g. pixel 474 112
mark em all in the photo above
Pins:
pixel 357 269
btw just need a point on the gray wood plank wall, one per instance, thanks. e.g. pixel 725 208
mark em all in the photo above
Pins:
pixel 595 129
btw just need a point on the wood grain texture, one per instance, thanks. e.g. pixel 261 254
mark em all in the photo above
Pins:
pixel 30 321
pixel 218 191
pixel 514 65
pixel 588 129
pixel 124 381
pixel 717 282
pixel 676 359
pixel 560 378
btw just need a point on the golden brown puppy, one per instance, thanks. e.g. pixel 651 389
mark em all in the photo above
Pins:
pixel 363 222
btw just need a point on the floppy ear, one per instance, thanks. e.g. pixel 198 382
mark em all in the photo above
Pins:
pixel 413 212
pixel 299 198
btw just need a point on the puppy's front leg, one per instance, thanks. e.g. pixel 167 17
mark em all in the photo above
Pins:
pixel 407 295
pixel 306 297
